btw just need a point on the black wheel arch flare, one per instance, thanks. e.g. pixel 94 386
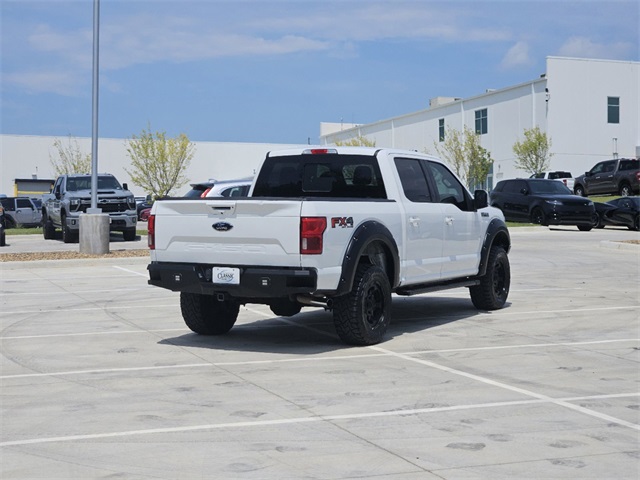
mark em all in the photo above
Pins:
pixel 497 234
pixel 366 235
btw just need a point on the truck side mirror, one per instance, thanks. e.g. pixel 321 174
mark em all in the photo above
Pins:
pixel 57 194
pixel 125 186
pixel 480 199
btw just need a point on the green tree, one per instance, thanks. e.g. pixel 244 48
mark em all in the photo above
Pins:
pixel 479 161
pixel 532 153
pixel 463 152
pixel 358 141
pixel 69 158
pixel 159 163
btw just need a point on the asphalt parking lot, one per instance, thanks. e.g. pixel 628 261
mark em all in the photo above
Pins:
pixel 101 379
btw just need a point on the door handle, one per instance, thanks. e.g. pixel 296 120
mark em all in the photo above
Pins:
pixel 448 220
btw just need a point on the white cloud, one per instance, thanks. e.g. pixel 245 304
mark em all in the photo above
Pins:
pixel 584 47
pixel 58 82
pixel 516 56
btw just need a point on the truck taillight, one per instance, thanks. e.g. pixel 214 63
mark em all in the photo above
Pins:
pixel 311 231
pixel 319 151
pixel 151 234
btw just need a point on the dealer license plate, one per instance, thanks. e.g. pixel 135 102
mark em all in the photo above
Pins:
pixel 225 275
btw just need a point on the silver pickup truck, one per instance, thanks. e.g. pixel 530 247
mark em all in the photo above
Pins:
pixel 71 196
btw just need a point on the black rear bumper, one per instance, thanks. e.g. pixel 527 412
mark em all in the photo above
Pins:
pixel 255 282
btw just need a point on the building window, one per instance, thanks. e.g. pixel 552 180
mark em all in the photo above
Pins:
pixel 441 129
pixel 481 121
pixel 613 109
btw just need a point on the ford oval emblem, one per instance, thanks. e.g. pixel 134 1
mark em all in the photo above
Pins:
pixel 222 226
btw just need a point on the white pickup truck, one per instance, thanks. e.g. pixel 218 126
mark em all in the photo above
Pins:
pixel 340 228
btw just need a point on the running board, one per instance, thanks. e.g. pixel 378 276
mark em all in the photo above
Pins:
pixel 435 287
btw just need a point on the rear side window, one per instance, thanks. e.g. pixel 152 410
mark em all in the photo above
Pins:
pixel 24 203
pixel 556 175
pixel 414 183
pixel 629 164
pixel 515 186
pixel 320 175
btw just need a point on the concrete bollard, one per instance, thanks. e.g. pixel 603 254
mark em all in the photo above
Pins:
pixel 94 233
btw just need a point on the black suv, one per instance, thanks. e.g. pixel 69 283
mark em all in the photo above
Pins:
pixel 3 220
pixel 545 202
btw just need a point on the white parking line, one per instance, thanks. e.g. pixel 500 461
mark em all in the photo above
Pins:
pixel 285 360
pixel 80 292
pixel 131 271
pixel 84 334
pixel 88 309
pixel 509 311
pixel 512 388
pixel 318 418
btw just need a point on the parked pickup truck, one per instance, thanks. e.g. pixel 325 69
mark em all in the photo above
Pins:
pixel 618 176
pixel 559 175
pixel 71 196
pixel 339 228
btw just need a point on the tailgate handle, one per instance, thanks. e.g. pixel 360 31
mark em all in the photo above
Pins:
pixel 222 209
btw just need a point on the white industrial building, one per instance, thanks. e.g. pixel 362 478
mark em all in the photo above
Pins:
pixel 588 108
pixel 25 156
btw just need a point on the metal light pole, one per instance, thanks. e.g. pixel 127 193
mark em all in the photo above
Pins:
pixel 94 225
pixel 94 110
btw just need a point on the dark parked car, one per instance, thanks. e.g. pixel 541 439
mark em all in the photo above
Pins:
pixel 545 202
pixel 623 211
pixel 143 203
pixel 143 216
pixel 3 238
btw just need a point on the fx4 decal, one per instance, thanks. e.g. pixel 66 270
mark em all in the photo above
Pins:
pixel 342 222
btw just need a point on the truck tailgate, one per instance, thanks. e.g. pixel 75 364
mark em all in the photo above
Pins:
pixel 228 232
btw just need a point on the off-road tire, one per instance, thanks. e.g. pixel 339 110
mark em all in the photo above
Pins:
pixel 206 315
pixel 493 290
pixel 579 190
pixel 48 230
pixel 362 316
pixel 68 235
pixel 129 235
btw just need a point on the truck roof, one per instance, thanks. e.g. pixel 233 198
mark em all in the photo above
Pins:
pixel 343 150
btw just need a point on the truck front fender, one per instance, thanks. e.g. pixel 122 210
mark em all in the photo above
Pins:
pixel 497 234
pixel 371 242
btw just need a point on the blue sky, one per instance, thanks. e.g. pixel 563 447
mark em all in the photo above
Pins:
pixel 271 71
